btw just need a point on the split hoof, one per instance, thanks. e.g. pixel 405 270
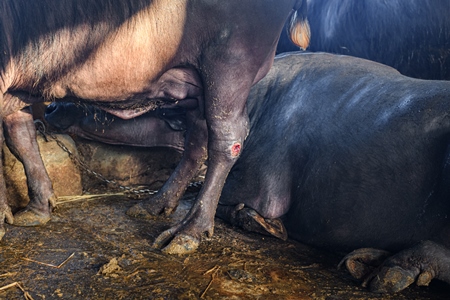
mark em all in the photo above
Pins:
pixel 421 264
pixel 391 280
pixel 250 220
pixel 181 244
pixel 138 212
pixel 362 262
pixel 29 217
pixel 158 206
pixel 5 214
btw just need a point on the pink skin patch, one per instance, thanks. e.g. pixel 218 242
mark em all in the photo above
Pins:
pixel 236 149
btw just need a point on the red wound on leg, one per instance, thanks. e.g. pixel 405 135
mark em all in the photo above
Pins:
pixel 235 149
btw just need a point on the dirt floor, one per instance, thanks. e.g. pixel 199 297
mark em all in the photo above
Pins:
pixel 109 256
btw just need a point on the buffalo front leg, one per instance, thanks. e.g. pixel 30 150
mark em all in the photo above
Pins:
pixel 227 122
pixel 420 264
pixel 194 155
pixel 382 272
pixel 20 134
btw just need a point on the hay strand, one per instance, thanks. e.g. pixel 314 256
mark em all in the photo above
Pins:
pixel 8 274
pixel 26 295
pixel 67 199
pixel 213 272
pixel 50 265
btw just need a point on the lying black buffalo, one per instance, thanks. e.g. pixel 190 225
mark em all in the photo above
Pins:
pixel 412 36
pixel 349 154
pixel 129 57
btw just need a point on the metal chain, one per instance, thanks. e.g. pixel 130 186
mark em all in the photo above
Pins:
pixel 130 191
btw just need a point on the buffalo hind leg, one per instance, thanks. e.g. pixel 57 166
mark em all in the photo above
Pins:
pixel 227 121
pixel 20 134
pixel 421 263
pixel 194 155
pixel 185 236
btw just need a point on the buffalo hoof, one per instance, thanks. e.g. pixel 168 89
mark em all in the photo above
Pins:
pixel 390 280
pixel 250 220
pixel 137 211
pixel 162 203
pixel 29 217
pixel 420 264
pixel 185 237
pixel 5 214
pixel 362 262
pixel 181 244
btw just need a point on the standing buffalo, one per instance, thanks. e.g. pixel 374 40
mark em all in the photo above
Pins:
pixel 130 57
pixel 412 36
pixel 348 154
